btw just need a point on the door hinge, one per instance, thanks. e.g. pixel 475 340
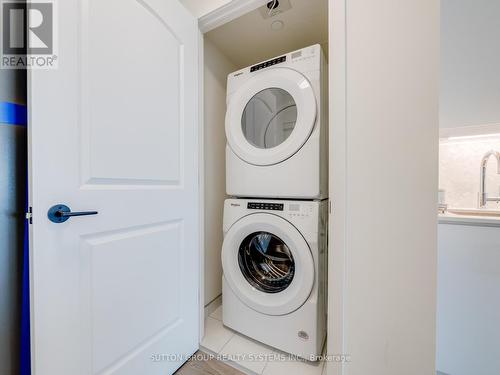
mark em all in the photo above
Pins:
pixel 29 215
pixel 329 206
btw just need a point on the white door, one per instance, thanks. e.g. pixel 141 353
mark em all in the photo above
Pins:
pixel 114 130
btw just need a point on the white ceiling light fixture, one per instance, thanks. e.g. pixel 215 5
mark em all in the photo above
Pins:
pixel 277 25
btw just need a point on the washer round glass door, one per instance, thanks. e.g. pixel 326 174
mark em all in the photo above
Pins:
pixel 271 116
pixel 268 264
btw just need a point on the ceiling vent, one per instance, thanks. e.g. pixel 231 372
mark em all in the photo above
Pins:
pixel 274 8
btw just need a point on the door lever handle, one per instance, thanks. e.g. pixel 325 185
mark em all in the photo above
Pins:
pixel 60 213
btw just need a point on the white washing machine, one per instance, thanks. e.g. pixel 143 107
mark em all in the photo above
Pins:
pixel 276 128
pixel 274 260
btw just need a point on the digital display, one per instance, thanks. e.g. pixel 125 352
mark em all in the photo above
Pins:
pixel 265 206
pixel 267 64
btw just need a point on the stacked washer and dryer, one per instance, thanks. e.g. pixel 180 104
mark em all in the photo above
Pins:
pixel 274 255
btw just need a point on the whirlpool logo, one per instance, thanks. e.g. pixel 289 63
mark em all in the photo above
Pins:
pixel 29 34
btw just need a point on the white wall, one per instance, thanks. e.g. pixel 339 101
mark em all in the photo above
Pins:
pixel 470 68
pixel 468 333
pixel 384 126
pixel 217 67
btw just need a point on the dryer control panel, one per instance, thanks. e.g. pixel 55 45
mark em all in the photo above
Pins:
pixel 267 64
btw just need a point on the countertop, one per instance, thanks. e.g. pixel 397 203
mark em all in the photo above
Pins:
pixel 474 217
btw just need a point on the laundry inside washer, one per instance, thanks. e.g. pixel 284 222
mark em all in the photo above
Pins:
pixel 266 262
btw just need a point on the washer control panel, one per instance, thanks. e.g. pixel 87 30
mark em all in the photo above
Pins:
pixel 265 206
pixel 299 210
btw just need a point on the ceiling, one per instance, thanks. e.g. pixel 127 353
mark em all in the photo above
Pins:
pixel 250 39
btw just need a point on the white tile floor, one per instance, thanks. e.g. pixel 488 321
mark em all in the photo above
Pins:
pixel 231 345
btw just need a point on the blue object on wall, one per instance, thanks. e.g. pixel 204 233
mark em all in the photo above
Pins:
pixel 13 114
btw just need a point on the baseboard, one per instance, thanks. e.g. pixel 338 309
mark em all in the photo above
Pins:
pixel 212 306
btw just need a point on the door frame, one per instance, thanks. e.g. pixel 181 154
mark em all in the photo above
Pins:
pixel 337 247
pixel 336 28
pixel 227 13
pixel 201 183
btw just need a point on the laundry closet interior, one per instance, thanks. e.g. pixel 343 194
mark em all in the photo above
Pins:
pixel 275 35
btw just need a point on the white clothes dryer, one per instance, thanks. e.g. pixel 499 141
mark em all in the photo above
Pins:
pixel 276 128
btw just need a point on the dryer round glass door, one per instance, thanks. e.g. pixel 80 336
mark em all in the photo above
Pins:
pixel 271 116
pixel 268 264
